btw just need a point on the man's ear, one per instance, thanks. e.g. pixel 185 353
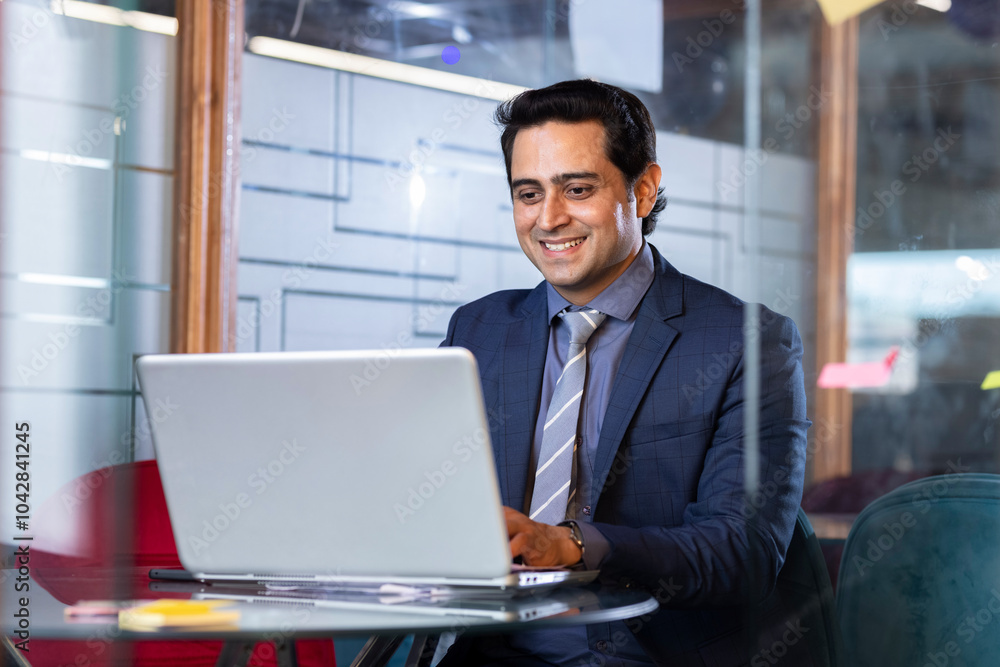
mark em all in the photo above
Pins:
pixel 646 189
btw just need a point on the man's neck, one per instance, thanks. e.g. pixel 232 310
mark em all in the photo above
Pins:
pixel 583 297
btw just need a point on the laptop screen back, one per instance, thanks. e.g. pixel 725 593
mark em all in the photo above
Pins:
pixel 327 463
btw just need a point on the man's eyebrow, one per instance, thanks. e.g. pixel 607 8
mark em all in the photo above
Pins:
pixel 586 175
pixel 557 179
pixel 525 181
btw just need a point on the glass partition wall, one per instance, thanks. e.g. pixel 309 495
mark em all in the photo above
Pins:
pixel 86 129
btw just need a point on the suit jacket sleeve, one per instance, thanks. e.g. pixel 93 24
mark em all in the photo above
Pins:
pixel 725 548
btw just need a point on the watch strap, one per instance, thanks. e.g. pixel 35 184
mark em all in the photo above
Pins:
pixel 576 534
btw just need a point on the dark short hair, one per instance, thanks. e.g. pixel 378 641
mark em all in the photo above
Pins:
pixel 629 135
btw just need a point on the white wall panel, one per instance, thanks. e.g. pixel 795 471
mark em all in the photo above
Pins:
pixel 58 218
pixel 788 186
pixel 316 322
pixel 381 203
pixel 48 126
pixel 62 356
pixel 61 58
pixel 145 223
pixel 32 301
pixel 145 63
pixel 289 103
pixel 287 170
pixel 689 252
pixel 416 113
pixel 688 166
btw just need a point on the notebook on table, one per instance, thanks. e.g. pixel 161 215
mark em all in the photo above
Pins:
pixel 361 467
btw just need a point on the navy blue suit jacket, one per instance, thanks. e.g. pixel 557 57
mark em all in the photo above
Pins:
pixel 670 456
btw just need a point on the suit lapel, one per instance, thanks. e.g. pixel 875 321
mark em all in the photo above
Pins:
pixel 649 341
pixel 522 386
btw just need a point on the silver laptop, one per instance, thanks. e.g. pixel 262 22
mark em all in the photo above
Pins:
pixel 360 467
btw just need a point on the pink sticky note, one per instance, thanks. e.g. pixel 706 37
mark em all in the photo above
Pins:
pixel 871 374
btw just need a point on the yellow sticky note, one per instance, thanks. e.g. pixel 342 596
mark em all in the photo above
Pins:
pixel 179 614
pixel 992 381
pixel 838 11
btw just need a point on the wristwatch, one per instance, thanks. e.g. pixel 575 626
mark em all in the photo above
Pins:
pixel 576 534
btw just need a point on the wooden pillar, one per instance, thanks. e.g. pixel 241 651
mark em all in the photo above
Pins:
pixel 836 184
pixel 206 186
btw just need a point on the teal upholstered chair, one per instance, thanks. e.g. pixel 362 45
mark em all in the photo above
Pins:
pixel 920 576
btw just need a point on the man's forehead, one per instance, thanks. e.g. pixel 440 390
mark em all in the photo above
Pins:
pixel 552 129
pixel 566 142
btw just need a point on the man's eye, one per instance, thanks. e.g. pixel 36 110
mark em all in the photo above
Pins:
pixel 579 191
pixel 528 196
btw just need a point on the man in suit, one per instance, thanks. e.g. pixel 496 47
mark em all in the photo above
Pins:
pixel 618 383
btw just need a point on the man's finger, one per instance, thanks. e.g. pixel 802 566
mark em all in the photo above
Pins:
pixel 518 545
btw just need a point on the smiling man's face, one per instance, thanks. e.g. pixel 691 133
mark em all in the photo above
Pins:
pixel 573 214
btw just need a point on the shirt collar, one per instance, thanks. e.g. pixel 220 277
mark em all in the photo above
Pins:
pixel 621 298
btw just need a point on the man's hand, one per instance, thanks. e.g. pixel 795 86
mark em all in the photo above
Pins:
pixel 539 543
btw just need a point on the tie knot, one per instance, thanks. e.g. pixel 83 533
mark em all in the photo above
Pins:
pixel 582 324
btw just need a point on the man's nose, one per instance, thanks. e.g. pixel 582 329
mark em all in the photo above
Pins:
pixel 554 214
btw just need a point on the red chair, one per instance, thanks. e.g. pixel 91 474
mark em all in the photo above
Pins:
pixel 79 554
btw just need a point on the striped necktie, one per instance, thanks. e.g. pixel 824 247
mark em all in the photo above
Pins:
pixel 554 473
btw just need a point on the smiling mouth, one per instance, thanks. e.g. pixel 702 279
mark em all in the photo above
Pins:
pixel 556 247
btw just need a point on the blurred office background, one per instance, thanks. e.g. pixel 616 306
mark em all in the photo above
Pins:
pixel 373 202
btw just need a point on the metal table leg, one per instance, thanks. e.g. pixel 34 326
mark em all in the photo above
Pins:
pixel 235 653
pixel 286 655
pixel 377 651
pixel 422 652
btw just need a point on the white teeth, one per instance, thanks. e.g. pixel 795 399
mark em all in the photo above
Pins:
pixel 562 246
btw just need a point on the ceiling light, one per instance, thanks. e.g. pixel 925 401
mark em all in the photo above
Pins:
pixel 382 69
pixel 939 5
pixel 88 11
pixel 64 158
